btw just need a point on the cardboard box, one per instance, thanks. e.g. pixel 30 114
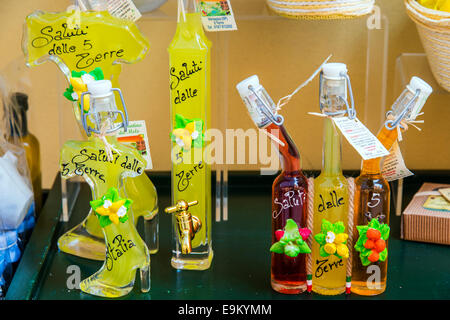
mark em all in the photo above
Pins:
pixel 425 225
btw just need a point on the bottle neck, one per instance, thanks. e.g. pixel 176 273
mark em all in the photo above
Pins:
pixel 332 153
pixel 289 155
pixel 19 124
pixel 387 138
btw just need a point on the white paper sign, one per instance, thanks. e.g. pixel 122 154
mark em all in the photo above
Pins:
pixel 124 9
pixel 217 15
pixel 136 137
pixel 394 167
pixel 364 142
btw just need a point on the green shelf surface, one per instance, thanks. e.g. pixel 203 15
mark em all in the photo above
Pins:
pixel 241 266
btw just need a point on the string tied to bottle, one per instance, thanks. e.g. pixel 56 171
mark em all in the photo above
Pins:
pixel 286 99
pixel 109 148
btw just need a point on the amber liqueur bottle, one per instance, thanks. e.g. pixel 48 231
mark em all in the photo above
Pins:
pixel 372 197
pixel 289 189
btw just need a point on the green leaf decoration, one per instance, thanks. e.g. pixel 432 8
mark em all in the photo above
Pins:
pixel 103 221
pixel 304 247
pixel 326 226
pixel 277 247
pixel 365 261
pixel 68 93
pixel 338 227
pixel 291 227
pixel 97 73
pixel 385 231
pixel 291 243
pixel 291 250
pixel 320 238
pixel 383 255
pixel 322 252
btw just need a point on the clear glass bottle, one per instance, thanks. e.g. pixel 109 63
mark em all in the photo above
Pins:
pixel 372 198
pixel 330 188
pixel 289 189
pixel 190 101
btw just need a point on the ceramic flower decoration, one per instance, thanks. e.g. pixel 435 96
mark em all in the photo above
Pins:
pixel 291 240
pixel 332 239
pixel 78 85
pixel 187 133
pixel 371 243
pixel 110 208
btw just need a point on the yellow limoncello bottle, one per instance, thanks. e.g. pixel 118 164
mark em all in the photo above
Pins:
pixel 103 163
pixel 190 94
pixel 329 250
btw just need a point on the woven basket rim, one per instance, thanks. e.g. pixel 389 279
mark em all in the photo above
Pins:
pixel 421 13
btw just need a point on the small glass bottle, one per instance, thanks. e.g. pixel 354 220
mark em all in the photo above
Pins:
pixel 19 102
pixel 372 199
pixel 329 251
pixel 289 189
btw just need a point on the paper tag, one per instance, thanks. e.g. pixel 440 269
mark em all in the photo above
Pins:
pixel 124 9
pixel 356 133
pixel 394 167
pixel 217 15
pixel 137 138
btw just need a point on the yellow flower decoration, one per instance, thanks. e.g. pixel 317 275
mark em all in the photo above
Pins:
pixel 114 210
pixel 187 133
pixel 332 239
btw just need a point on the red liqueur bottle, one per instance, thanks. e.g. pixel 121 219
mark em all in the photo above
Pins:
pixel 289 193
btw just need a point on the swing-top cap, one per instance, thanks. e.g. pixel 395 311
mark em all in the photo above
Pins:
pixel 100 88
pixel 418 84
pixel 242 86
pixel 334 70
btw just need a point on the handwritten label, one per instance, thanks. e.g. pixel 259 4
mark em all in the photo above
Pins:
pixel 177 76
pixel 394 167
pixel 116 249
pixel 364 142
pixel 95 164
pixel 373 205
pixel 99 40
pixel 290 199
pixel 334 202
pixel 217 15
pixel 185 177
pixel 323 266
pixel 137 138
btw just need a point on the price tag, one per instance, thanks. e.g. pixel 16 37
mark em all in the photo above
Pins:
pixel 364 142
pixel 217 15
pixel 394 167
pixel 137 138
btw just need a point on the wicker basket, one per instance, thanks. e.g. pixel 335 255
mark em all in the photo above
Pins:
pixel 434 31
pixel 321 9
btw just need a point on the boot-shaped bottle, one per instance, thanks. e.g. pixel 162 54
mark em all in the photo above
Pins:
pixel 86 239
pixel 126 252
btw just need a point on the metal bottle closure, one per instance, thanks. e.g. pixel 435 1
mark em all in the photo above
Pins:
pixel 187 224
pixel 260 105
pixel 103 108
pixel 334 83
pixel 409 104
